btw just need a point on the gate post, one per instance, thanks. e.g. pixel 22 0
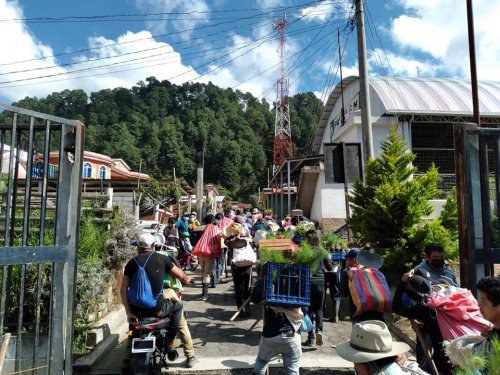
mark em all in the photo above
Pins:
pixel 464 150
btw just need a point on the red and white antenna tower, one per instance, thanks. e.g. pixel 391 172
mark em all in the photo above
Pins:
pixel 282 131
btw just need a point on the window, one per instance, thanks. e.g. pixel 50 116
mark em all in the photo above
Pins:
pixel 102 172
pixel 87 170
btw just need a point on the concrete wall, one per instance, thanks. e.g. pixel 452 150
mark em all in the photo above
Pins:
pixel 125 200
pixel 27 352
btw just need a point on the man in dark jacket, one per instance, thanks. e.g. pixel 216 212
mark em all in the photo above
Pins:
pixel 417 287
pixel 315 310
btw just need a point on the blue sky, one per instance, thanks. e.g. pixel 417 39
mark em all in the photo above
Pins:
pixel 52 45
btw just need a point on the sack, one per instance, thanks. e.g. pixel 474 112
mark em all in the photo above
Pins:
pixel 369 291
pixel 139 292
pixel 243 253
pixel 457 313
pixel 306 325
pixel 209 244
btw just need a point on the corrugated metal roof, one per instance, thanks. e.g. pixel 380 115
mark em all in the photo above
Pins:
pixel 435 95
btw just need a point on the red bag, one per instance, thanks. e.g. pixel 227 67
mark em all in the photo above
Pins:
pixel 457 314
pixel 209 243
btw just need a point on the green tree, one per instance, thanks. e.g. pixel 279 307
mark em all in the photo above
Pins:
pixel 391 200
pixel 449 214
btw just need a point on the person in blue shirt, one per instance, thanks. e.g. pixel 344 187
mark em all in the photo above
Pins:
pixel 433 267
pixel 182 226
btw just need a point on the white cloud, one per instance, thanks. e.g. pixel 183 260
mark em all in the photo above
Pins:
pixel 132 57
pixel 269 3
pixel 156 59
pixel 197 13
pixel 401 66
pixel 323 12
pixel 438 28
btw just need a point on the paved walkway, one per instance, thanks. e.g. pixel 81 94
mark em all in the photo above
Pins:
pixel 222 346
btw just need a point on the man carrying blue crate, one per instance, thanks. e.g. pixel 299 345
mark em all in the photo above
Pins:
pixel 279 335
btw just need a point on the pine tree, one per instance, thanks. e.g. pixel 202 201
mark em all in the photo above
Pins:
pixel 391 199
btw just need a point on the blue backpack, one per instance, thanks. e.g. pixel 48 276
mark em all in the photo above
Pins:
pixel 139 292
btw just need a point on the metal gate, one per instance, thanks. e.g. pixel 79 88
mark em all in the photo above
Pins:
pixel 40 191
pixel 477 161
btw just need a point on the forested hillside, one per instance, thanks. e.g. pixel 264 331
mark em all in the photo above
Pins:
pixel 169 126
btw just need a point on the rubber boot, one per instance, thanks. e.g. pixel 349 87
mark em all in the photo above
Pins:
pixel 336 308
pixel 204 295
pixel 202 290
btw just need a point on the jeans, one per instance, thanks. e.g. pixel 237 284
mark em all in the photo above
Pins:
pixel 288 347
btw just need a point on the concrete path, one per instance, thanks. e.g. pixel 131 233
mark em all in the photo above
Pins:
pixel 222 346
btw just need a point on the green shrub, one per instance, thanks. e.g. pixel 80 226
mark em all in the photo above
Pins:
pixel 449 214
pixel 329 240
pixel 306 254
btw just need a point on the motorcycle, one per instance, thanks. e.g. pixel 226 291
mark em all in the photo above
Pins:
pixel 150 350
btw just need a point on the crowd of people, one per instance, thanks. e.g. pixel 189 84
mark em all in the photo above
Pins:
pixel 228 242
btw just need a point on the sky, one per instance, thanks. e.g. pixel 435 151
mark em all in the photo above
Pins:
pixel 53 45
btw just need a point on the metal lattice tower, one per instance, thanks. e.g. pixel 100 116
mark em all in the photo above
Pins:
pixel 282 131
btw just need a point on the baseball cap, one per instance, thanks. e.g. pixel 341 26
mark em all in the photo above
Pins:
pixel 353 253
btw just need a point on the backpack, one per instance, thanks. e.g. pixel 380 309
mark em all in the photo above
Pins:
pixel 369 291
pixel 243 253
pixel 139 292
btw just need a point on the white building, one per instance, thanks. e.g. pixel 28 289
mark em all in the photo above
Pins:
pixel 424 111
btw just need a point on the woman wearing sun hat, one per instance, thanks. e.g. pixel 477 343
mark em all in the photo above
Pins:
pixel 373 351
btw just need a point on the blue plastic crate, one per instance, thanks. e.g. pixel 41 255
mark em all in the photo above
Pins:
pixel 338 255
pixel 287 284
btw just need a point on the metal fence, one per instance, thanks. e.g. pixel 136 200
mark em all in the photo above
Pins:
pixel 39 220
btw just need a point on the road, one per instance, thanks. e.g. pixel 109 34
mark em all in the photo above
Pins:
pixel 225 347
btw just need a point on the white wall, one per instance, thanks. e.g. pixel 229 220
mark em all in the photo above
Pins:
pixel 328 200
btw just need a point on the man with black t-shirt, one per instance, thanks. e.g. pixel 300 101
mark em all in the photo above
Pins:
pixel 156 269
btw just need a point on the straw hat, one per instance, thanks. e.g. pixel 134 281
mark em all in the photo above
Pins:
pixel 370 340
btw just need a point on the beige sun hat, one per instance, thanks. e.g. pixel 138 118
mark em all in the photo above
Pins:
pixel 370 340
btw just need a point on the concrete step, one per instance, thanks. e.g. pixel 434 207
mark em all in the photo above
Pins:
pixel 83 365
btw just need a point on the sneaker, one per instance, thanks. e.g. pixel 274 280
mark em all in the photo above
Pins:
pixel 319 338
pixel 308 342
pixel 190 362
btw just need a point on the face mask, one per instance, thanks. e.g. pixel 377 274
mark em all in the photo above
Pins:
pixel 437 263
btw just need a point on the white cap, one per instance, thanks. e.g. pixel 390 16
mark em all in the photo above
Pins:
pixel 146 240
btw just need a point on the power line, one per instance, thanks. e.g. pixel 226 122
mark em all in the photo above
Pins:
pixel 105 16
pixel 266 14
pixel 140 51
pixel 261 41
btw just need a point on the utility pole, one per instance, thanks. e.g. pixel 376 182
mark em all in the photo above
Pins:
pixel 364 84
pixel 473 70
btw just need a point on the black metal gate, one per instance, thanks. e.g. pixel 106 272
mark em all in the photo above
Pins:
pixel 477 161
pixel 40 189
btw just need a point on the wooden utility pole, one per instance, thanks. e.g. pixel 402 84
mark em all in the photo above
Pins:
pixel 364 84
pixel 472 58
